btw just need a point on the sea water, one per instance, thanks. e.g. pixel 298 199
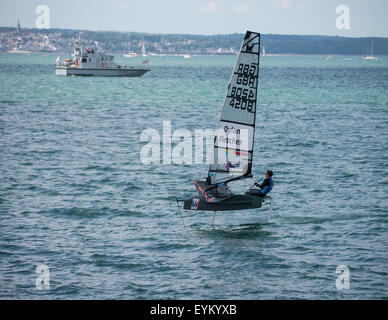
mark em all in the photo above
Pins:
pixel 76 201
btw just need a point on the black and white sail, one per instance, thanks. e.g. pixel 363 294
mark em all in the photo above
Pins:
pixel 234 140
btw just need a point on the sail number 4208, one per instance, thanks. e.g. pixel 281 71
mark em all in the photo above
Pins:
pixel 242 104
pixel 241 99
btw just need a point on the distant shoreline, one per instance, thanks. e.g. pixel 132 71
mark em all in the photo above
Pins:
pixel 195 55
pixel 60 40
pixel 12 28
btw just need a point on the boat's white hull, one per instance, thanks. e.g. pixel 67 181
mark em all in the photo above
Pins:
pixel 370 58
pixel 119 72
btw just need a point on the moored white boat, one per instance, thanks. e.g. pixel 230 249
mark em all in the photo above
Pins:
pixel 129 54
pixel 90 62
pixel 371 57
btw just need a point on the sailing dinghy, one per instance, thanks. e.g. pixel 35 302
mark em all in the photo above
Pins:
pixel 234 139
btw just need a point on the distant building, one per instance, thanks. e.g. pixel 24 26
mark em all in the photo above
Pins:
pixel 18 28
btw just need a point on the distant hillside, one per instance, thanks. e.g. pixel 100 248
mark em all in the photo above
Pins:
pixel 295 44
pixel 61 40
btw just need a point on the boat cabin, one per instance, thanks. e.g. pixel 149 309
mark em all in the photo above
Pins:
pixel 90 58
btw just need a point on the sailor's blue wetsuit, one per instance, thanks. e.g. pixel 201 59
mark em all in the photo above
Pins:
pixel 266 186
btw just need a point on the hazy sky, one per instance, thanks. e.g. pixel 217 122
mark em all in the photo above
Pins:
pixel 367 18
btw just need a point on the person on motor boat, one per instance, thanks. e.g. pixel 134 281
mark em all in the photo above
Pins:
pixel 264 188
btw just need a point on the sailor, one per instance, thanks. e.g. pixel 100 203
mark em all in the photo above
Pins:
pixel 265 187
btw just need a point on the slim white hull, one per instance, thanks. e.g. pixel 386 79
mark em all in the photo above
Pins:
pixel 370 58
pixel 130 55
pixel 118 72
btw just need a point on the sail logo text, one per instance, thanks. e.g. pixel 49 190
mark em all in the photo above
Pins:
pixel 230 144
pixel 231 130
pixel 226 140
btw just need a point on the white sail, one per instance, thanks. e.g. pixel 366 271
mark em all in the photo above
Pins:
pixel 143 51
pixel 233 143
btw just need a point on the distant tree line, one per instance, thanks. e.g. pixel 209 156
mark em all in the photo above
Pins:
pixel 186 43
